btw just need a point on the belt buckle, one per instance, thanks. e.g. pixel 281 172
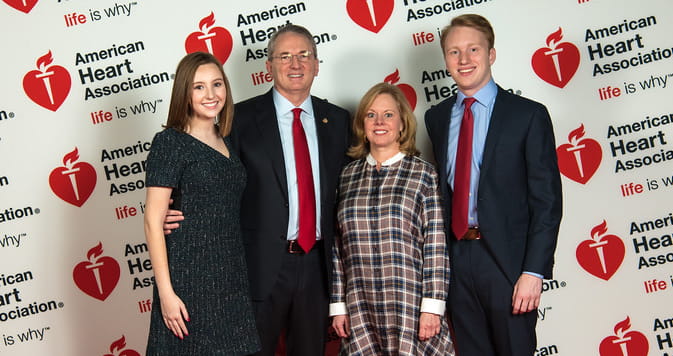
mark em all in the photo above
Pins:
pixel 293 248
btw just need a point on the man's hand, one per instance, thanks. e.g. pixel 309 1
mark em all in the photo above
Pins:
pixel 428 326
pixel 172 219
pixel 526 296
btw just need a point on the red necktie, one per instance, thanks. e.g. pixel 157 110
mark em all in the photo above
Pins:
pixel 461 179
pixel 302 159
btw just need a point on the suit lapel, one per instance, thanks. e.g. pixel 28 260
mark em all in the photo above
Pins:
pixel 495 129
pixel 320 114
pixel 267 124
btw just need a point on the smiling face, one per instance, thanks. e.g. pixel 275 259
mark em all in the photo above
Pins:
pixel 208 92
pixel 468 58
pixel 293 80
pixel 383 124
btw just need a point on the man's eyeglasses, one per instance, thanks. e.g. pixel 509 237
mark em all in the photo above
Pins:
pixel 286 58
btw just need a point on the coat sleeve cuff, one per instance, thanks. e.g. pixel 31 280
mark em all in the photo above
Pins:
pixel 337 309
pixel 434 306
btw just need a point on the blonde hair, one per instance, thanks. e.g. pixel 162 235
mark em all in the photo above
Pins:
pixel 360 148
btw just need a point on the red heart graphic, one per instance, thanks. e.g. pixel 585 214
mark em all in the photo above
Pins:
pixel 579 162
pixel 97 277
pixel 601 258
pixel 119 345
pixel 214 40
pixel 21 5
pixel 371 15
pixel 48 86
pixel 75 182
pixel 557 63
pixel 406 89
pixel 632 343
pixel 579 159
pixel 636 345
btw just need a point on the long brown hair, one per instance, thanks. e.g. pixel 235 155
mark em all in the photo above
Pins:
pixel 180 109
pixel 407 140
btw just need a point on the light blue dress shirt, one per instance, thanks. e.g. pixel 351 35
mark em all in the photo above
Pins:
pixel 285 117
pixel 481 111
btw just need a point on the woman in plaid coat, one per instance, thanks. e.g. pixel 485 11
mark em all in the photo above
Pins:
pixel 391 268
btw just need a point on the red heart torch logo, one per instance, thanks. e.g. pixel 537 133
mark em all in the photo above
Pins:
pixel 580 158
pixel 623 343
pixel 118 346
pixel 74 182
pixel 21 5
pixel 407 89
pixel 214 40
pixel 98 276
pixel 371 15
pixel 557 63
pixel 603 254
pixel 48 86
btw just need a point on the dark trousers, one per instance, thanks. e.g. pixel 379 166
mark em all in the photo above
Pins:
pixel 297 306
pixel 480 304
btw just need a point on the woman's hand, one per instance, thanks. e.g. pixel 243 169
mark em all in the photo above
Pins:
pixel 341 325
pixel 175 314
pixel 428 326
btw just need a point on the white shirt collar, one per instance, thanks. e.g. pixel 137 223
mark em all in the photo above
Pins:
pixel 390 161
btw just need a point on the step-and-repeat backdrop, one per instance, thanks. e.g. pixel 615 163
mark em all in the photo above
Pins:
pixel 86 84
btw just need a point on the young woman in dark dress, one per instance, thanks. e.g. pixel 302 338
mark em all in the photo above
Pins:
pixel 201 295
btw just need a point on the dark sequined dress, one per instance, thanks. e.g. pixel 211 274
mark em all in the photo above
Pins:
pixel 205 254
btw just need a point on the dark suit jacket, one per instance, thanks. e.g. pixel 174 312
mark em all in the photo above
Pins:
pixel 519 197
pixel 264 209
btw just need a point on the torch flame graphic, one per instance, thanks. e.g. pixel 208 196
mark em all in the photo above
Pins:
pixel 92 255
pixel 68 161
pixel 205 25
pixel 574 137
pixel 554 52
pixel 598 244
pixel 42 64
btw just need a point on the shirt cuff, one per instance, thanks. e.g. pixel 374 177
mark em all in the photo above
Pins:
pixel 337 309
pixel 534 274
pixel 434 306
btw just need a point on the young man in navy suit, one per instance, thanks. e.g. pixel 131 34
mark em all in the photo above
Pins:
pixel 513 199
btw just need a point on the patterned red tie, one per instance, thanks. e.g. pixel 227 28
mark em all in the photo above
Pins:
pixel 302 159
pixel 461 179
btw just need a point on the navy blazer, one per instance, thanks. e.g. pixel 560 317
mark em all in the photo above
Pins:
pixel 519 196
pixel 264 210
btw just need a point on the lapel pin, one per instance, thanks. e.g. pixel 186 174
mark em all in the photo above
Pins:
pixel 324 120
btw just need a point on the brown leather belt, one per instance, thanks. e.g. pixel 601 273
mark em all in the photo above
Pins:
pixel 472 233
pixel 293 247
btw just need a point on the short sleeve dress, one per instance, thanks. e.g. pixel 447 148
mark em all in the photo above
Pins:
pixel 205 254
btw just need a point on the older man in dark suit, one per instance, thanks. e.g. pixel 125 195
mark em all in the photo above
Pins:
pixel 289 285
pixel 293 146
pixel 502 193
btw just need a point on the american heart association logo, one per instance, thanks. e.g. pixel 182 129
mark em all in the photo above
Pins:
pixel 601 255
pixel 214 40
pixel 557 63
pixel 580 158
pixel 118 346
pixel 48 86
pixel 623 343
pixel 98 276
pixel 406 89
pixel 74 182
pixel 21 5
pixel 371 15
